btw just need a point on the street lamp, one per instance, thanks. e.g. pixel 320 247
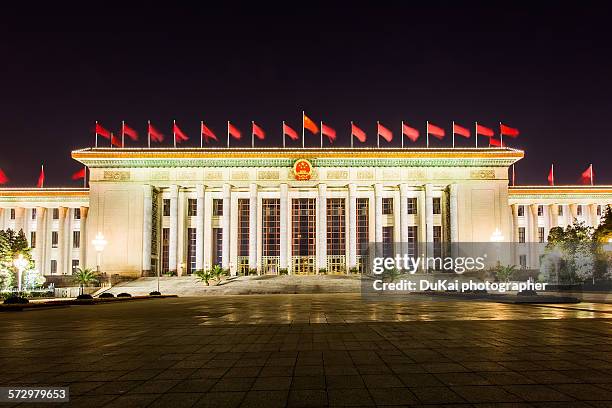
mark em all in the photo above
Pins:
pixel 99 244
pixel 496 238
pixel 20 263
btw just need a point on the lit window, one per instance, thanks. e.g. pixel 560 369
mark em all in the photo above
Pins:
pixel 437 207
pixel 540 210
pixel 599 210
pixel 54 239
pixel 217 207
pixel 387 206
pixel 521 211
pixel 12 213
pixel 76 239
pixel 540 234
pixel 53 267
pixel 523 261
pixel 166 207
pixel 192 207
pixel 77 213
pixel 56 213
pixel 33 213
pixel 33 239
pixel 412 205
pixel 579 210
pixel 521 235
pixel 560 210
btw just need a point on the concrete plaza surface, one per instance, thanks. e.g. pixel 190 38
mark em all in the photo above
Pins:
pixel 313 350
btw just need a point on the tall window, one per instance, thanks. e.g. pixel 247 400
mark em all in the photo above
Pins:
pixel 166 207
pixel 413 239
pixel 75 265
pixel 304 227
pixel 363 231
pixel 76 239
pixel 437 207
pixel 599 210
pixel 521 235
pixel 387 243
pixel 33 213
pixel 243 227
pixel 412 205
pixel 54 239
pixel 165 264
pixel 77 213
pixel 521 210
pixel 217 207
pixel 437 241
pixel 33 239
pixel 53 267
pixel 191 250
pixel 270 223
pixel 540 210
pixel 523 261
pixel 387 206
pixel 12 213
pixel 217 255
pixel 560 207
pixel 540 234
pixel 336 231
pixel 579 210
pixel 56 213
pixel 192 207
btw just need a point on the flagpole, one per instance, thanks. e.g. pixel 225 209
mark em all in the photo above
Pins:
pixel 591 173
pixel 122 133
pixel 303 129
pixel 42 171
pixel 552 168
pixel 453 134
pixel 427 137
pixel 476 133
pixel 96 130
pixel 501 136
pixel 174 131
pixel 513 176
pixel 351 134
pixel 402 134
pixel 149 133
pixel 252 134
pixel 85 178
pixel 111 140
pixel 283 131
pixel 321 134
pixel 378 134
pixel 228 134
pixel 201 134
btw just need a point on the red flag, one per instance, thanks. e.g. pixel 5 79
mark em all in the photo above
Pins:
pixel 207 133
pixel 384 132
pixel 79 174
pixel 178 133
pixel 100 130
pixel 258 132
pixel 41 178
pixel 328 131
pixel 233 131
pixel 115 141
pixel 358 133
pixel 435 131
pixel 587 175
pixel 310 125
pixel 155 134
pixel 411 133
pixel 496 142
pixel 460 130
pixel 3 178
pixel 483 130
pixel 508 131
pixel 551 175
pixel 130 132
pixel 287 130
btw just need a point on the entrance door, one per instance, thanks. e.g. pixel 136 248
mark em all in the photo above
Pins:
pixel 303 237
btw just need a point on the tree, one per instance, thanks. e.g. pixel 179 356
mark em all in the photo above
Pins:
pixel 504 273
pixel 84 277
pixel 603 240
pixel 218 273
pixel 11 245
pixel 205 275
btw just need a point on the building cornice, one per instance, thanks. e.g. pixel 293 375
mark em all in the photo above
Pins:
pixel 278 157
pixel 44 194
pixel 559 192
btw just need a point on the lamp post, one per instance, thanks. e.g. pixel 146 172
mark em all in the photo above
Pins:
pixel 496 238
pixel 99 244
pixel 20 263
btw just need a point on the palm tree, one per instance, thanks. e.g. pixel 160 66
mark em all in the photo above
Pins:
pixel 84 277
pixel 218 273
pixel 205 275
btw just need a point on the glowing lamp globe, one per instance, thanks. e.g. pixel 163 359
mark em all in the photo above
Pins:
pixel 497 236
pixel 20 262
pixel 99 242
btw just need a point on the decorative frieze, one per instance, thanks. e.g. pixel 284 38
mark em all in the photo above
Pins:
pixel 160 175
pixel 268 175
pixel 213 175
pixel 240 175
pixel 116 175
pixel 337 175
pixel 483 174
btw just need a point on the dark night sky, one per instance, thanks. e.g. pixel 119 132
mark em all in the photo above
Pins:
pixel 544 69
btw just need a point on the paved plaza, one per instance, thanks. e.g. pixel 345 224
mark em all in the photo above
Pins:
pixel 313 350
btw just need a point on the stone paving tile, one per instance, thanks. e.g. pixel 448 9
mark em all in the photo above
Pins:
pixel 356 397
pixel 268 399
pixel 307 398
pixel 436 395
pixel 176 400
pixel 220 400
pixel 490 393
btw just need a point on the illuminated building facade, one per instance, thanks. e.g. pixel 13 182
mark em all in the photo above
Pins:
pixel 270 209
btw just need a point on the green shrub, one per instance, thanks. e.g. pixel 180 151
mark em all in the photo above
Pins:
pixel 283 271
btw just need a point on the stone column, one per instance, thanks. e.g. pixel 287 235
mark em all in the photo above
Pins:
pixel 83 243
pixel 592 208
pixel 68 222
pixel 284 230
pixel 352 226
pixel 61 244
pixel 533 234
pixel 253 264
pixel 573 213
pixel 47 240
pixel 19 219
pixel 173 241
pixel 429 219
pixel 454 220
pixel 553 215
pixel 322 227
pixel 225 225
pixel 378 220
pixel 147 228
pixel 41 232
pixel 403 213
pixel 515 227
pixel 200 189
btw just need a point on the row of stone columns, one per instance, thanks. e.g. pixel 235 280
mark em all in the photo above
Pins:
pixel 425 211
